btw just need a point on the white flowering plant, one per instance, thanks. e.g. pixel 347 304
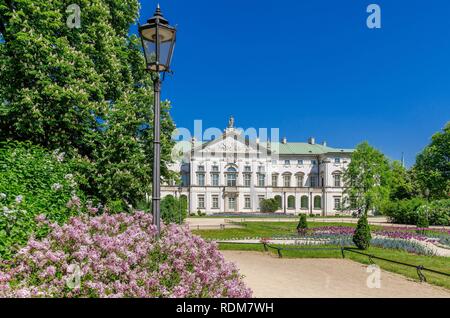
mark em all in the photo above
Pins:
pixel 32 182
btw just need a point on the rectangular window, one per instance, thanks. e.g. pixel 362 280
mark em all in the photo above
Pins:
pixel 201 201
pixel 299 181
pixel 201 168
pixel 247 202
pixel 313 181
pixel 287 162
pixel 215 179
pixel 261 180
pixel 260 169
pixel 215 169
pixel 201 179
pixel 287 181
pixel 300 162
pixel 337 160
pixel 247 180
pixel 274 180
pixel 337 180
pixel 313 162
pixel 337 203
pixel 215 201
pixel 231 179
pixel 247 169
pixel 232 203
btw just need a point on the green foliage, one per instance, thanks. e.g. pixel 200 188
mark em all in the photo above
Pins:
pixel 302 225
pixel 401 183
pixel 432 166
pixel 436 212
pixel 83 91
pixel 367 178
pixel 172 209
pixel 422 220
pixel 32 182
pixel 362 235
pixel 403 211
pixel 269 205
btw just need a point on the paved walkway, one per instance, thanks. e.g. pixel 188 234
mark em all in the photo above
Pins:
pixel 269 276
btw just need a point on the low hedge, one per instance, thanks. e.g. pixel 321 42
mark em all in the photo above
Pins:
pixel 414 210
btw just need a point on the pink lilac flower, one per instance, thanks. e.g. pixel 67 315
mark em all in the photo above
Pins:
pixel 119 256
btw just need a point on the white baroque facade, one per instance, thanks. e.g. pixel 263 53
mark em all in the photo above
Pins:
pixel 231 174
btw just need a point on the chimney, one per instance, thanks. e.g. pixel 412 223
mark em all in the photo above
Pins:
pixel 284 141
pixel 311 141
pixel 324 143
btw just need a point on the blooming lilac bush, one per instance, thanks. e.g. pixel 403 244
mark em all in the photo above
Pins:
pixel 119 256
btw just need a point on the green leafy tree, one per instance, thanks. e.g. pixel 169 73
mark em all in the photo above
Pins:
pixel 432 166
pixel 367 178
pixel 269 205
pixel 172 209
pixel 82 90
pixel 362 235
pixel 401 183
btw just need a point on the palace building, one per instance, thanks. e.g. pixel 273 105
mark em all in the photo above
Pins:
pixel 233 174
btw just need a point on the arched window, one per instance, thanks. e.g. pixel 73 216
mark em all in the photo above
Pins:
pixel 231 177
pixel 278 198
pixel 317 202
pixel 304 202
pixel 291 202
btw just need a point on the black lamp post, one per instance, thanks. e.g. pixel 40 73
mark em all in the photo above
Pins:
pixel 180 189
pixel 158 40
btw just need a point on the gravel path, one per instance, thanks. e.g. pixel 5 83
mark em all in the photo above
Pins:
pixel 270 276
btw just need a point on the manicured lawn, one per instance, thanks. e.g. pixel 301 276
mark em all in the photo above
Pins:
pixel 264 229
pixel 441 264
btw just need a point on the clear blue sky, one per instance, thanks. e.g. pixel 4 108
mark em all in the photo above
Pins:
pixel 313 68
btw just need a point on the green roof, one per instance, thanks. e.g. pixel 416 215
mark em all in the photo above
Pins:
pixel 303 148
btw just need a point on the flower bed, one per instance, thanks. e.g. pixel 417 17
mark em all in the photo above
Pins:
pixel 119 256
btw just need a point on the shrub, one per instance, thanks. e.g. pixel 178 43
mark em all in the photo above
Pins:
pixel 302 224
pixel 409 211
pixel 33 182
pixel 403 211
pixel 422 220
pixel 118 256
pixel 269 205
pixel 362 235
pixel 437 212
pixel 172 209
